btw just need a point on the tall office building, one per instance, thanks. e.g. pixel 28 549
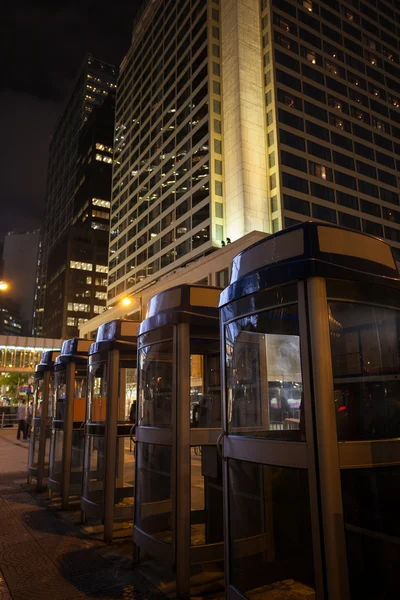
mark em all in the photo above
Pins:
pixel 241 115
pixel 77 207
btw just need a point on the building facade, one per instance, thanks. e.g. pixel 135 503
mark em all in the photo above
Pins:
pixel 77 205
pixel 332 102
pixel 242 115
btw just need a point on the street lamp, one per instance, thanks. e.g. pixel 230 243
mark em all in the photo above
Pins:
pixel 126 301
pixel 3 286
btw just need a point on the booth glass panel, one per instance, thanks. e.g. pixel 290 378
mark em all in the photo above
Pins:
pixel 154 491
pixel 365 360
pixel 206 501
pixel 97 393
pixel 205 382
pixel 124 471
pixel 156 376
pixel 127 395
pixel 37 406
pixel 80 391
pixel 94 467
pixel 60 384
pixel 270 541
pixel 264 378
pixel 372 527
pixel 56 462
pixel 77 447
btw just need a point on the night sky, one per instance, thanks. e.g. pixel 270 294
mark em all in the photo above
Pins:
pixel 44 44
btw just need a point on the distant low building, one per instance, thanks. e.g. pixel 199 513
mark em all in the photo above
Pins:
pixel 20 258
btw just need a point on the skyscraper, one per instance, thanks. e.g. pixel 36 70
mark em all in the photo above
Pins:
pixel 238 115
pixel 75 231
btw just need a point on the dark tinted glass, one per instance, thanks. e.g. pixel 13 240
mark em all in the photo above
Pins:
pixel 365 362
pixel 372 527
pixel 270 531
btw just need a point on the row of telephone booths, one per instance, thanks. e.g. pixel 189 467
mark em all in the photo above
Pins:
pixel 256 427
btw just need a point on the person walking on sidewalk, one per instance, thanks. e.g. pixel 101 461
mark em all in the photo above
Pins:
pixel 22 414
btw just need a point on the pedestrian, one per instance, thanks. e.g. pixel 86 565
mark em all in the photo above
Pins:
pixel 22 414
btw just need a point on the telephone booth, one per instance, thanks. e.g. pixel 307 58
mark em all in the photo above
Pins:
pixel 69 407
pixel 108 472
pixel 178 492
pixel 39 446
pixel 311 417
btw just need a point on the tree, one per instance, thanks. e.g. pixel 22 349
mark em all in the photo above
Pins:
pixel 11 382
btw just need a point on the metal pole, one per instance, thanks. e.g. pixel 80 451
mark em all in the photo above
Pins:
pixel 111 443
pixel 2 420
pixel 43 430
pixel 327 444
pixel 67 442
pixel 183 480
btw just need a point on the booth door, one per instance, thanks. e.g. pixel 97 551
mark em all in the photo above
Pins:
pixel 364 342
pixel 154 440
pixel 268 515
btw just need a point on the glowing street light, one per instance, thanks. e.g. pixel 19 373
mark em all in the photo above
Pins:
pixel 3 286
pixel 126 301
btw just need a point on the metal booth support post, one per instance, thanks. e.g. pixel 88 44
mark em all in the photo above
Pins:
pixel 44 423
pixel 328 452
pixel 111 444
pixel 182 557
pixel 67 442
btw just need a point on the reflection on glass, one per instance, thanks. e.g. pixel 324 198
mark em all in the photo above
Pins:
pixel 127 395
pixel 97 393
pixel 270 531
pixel 154 493
pixel 93 488
pixel 124 472
pixel 155 395
pixel 60 396
pixel 205 383
pixel 264 379
pixel 56 450
pixel 206 516
pixel 365 362
pixel 372 526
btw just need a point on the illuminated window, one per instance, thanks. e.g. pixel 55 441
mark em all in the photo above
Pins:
pixel 106 159
pixel 102 203
pixel 70 322
pixel 308 5
pixel 88 280
pixel 100 214
pixel 83 266
pixel 98 309
pixel 101 295
pixel 101 268
pixel 311 56
pixel 78 307
pixel 103 147
pixel 100 281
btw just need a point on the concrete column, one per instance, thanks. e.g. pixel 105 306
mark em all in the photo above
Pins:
pixel 244 137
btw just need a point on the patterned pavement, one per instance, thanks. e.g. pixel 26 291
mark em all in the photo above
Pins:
pixel 43 556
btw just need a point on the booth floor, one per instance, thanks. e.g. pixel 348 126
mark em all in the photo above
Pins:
pixel 45 553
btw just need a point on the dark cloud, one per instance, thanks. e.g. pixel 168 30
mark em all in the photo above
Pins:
pixel 44 44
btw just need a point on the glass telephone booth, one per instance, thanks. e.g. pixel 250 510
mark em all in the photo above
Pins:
pixel 311 417
pixel 178 492
pixel 69 407
pixel 39 446
pixel 108 472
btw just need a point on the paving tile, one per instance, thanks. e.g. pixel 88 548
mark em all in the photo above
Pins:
pixel 46 589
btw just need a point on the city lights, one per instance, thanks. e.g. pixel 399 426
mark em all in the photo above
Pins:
pixel 3 286
pixel 126 301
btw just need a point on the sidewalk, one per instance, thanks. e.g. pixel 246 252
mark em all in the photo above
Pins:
pixel 45 556
pixel 45 553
